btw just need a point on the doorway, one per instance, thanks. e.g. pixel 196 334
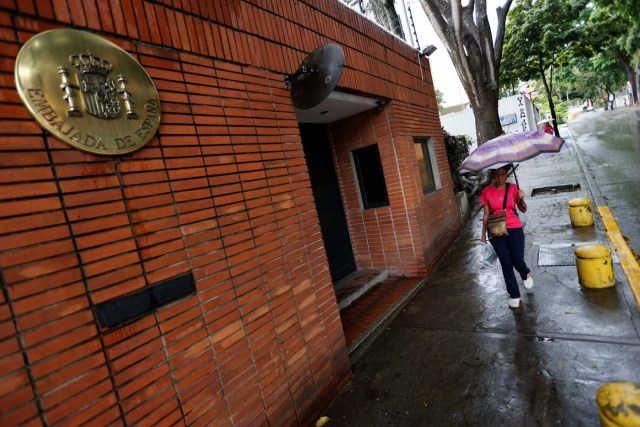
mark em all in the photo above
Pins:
pixel 326 192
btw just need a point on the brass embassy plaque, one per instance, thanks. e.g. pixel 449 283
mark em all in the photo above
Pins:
pixel 87 91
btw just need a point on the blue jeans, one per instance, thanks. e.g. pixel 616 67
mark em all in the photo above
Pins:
pixel 510 251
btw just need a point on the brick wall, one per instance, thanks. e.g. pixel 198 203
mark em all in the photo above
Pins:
pixel 410 235
pixel 221 191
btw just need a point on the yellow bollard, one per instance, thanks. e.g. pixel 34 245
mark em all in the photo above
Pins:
pixel 595 268
pixel 618 404
pixel 580 212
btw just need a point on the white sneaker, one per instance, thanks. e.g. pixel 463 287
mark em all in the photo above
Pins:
pixel 514 302
pixel 528 283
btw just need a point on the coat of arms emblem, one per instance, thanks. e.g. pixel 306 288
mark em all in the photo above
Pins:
pixel 76 85
pixel 100 94
pixel 98 90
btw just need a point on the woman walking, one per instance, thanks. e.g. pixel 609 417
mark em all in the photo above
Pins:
pixel 509 247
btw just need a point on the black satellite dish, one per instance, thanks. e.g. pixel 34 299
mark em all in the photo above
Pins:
pixel 316 77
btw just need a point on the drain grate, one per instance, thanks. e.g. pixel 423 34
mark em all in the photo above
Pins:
pixel 555 189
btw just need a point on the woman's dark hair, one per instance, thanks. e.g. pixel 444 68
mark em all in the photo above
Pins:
pixel 507 168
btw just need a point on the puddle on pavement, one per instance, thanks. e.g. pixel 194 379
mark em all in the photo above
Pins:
pixel 563 254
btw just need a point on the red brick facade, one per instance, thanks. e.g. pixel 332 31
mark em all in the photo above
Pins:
pixel 410 235
pixel 222 191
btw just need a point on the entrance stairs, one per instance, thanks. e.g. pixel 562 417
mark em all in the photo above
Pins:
pixel 368 300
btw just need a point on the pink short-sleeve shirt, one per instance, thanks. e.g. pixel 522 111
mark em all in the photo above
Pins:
pixel 494 198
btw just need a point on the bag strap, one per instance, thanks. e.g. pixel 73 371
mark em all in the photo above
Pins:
pixel 504 202
pixel 506 194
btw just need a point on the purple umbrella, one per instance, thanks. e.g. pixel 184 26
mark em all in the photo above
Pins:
pixel 510 148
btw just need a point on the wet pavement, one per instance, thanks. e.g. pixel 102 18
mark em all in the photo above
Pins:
pixel 457 355
pixel 610 146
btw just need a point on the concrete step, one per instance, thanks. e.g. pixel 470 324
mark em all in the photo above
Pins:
pixel 352 287
pixel 364 318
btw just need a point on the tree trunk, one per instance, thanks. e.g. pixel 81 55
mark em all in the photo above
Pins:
pixel 393 18
pixel 552 107
pixel 611 98
pixel 466 35
pixel 631 77
pixel 485 112
pixel 637 84
pixel 385 14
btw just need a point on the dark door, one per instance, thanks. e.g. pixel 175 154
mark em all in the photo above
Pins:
pixel 326 192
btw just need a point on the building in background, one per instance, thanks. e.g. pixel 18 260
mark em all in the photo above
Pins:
pixel 212 252
pixel 517 114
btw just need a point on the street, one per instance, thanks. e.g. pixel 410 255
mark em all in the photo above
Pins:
pixel 610 146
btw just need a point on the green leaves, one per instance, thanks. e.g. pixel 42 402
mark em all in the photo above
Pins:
pixel 538 33
pixel 457 147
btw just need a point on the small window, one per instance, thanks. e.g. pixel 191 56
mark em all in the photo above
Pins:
pixel 427 164
pixel 373 188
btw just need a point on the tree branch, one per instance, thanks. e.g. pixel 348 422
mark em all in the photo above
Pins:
pixel 485 42
pixel 502 19
pixel 446 19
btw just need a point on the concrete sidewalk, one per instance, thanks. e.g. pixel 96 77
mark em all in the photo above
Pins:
pixel 457 355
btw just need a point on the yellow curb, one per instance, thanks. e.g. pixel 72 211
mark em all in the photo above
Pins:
pixel 607 219
pixel 627 260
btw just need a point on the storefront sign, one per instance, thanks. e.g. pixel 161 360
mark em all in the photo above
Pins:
pixel 87 92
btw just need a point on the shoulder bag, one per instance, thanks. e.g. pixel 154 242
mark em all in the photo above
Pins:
pixel 497 223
